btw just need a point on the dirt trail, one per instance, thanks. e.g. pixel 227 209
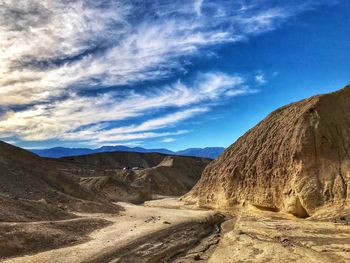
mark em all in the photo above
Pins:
pixel 138 227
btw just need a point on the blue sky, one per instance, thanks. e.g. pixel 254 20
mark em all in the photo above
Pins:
pixel 170 74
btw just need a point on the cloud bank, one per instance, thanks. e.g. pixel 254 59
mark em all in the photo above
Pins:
pixel 70 68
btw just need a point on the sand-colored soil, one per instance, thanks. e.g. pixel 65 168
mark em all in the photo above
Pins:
pixel 168 231
pixel 138 228
pixel 264 236
pixel 21 238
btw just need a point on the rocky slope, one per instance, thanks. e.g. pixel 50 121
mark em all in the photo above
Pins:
pixel 32 188
pixel 296 160
pixel 157 174
pixel 117 160
pixel 174 175
pixel 49 203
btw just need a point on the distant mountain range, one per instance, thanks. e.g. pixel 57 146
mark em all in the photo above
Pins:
pixel 57 152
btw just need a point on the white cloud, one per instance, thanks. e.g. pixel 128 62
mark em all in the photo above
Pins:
pixel 132 42
pixel 65 118
pixel 168 140
pixel 158 123
pixel 260 79
pixel 198 6
pixel 52 51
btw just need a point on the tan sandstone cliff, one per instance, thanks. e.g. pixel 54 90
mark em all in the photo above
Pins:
pixel 296 160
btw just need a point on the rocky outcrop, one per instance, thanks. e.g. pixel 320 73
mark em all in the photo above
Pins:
pixel 296 160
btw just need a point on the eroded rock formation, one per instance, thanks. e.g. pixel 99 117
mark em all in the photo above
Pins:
pixel 296 160
pixel 157 174
pixel 33 189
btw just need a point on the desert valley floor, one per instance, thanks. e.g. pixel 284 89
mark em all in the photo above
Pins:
pixel 167 230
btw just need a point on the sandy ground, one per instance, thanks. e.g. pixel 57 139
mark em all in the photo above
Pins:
pixel 133 224
pixel 263 236
pixel 168 231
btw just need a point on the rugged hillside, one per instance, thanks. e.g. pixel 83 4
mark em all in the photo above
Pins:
pixel 38 196
pixel 117 160
pixel 296 160
pixel 35 188
pixel 175 175
pixel 32 188
pixel 157 174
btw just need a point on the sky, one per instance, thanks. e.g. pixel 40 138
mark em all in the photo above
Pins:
pixel 162 74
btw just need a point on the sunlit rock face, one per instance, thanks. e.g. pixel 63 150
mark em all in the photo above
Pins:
pixel 296 160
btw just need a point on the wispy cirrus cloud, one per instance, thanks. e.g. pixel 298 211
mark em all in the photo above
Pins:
pixel 64 119
pixel 198 6
pixel 53 51
pixel 47 47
